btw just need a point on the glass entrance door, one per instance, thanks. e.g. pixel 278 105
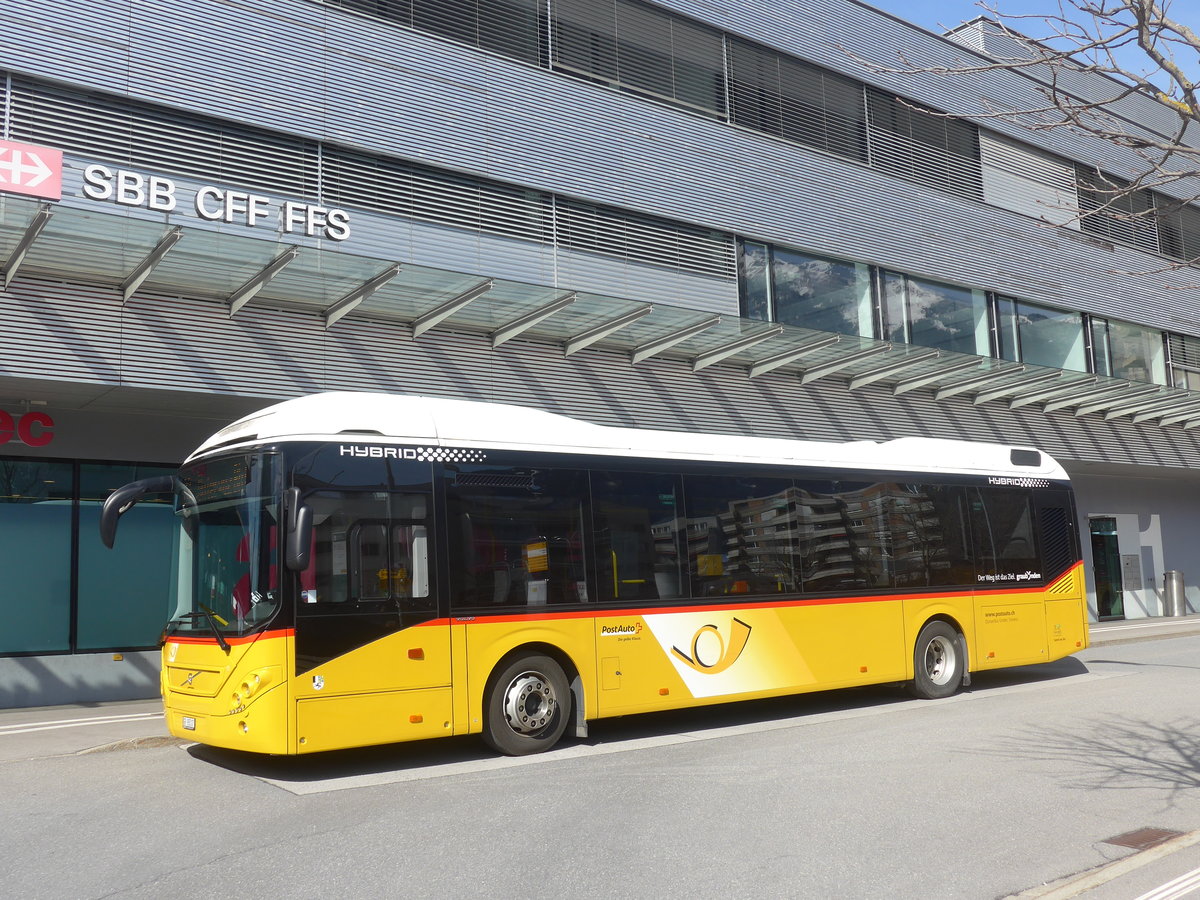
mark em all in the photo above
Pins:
pixel 1106 568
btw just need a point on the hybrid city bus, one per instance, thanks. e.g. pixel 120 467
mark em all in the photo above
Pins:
pixel 356 569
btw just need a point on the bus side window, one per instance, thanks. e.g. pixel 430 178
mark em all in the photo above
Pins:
pixel 1005 544
pixel 370 548
pixel 636 529
pixel 517 536
pixel 929 536
pixel 740 538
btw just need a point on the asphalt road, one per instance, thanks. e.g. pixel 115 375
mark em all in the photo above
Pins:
pixel 1017 784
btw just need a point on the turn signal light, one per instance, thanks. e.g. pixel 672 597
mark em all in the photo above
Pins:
pixel 416 720
pixel 416 653
pixel 664 691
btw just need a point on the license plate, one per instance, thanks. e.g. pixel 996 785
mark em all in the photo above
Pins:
pixel 189 723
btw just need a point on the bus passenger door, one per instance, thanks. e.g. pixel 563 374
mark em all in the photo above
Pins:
pixel 372 657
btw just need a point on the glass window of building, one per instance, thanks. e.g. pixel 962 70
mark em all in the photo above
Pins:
pixel 754 280
pixel 35 555
pixel 1124 350
pixel 504 26
pixel 936 150
pixel 1184 352
pixel 808 291
pixel 1040 336
pixel 781 95
pixel 823 294
pixel 1178 227
pixel 642 47
pixel 124 593
pixel 936 315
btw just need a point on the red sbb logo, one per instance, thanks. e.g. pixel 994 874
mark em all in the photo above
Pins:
pixel 32 429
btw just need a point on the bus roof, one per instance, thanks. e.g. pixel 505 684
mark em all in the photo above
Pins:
pixel 367 418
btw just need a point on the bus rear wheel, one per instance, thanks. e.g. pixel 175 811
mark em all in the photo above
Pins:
pixel 527 706
pixel 938 662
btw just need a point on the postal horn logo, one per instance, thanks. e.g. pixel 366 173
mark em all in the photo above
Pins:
pixel 710 654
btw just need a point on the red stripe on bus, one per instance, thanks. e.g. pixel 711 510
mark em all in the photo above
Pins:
pixel 760 604
pixel 232 641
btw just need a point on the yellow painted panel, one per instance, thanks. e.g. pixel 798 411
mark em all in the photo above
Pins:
pixel 460 682
pixel 1010 630
pixel 262 727
pixel 673 659
pixel 333 723
pixel 610 673
pixel 387 664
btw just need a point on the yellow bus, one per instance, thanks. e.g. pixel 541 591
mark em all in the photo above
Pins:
pixel 356 569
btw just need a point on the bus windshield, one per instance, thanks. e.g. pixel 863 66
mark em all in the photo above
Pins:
pixel 226 577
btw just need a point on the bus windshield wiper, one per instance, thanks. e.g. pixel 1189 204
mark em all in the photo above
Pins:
pixel 212 619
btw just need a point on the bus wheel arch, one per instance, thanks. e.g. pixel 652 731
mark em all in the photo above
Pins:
pixel 533 693
pixel 940 664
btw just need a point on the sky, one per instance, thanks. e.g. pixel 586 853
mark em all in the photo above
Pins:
pixel 940 15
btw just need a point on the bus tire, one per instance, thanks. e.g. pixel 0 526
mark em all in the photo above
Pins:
pixel 938 661
pixel 527 706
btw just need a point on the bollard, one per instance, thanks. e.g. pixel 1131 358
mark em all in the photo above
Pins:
pixel 1174 603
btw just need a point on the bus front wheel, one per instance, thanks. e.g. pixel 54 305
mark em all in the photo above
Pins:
pixel 938 662
pixel 527 706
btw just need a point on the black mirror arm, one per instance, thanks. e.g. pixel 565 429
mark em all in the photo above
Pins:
pixel 124 498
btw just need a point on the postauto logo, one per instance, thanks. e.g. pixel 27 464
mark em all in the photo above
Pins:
pixel 710 654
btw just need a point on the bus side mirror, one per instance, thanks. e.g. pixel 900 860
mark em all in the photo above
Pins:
pixel 299 535
pixel 124 498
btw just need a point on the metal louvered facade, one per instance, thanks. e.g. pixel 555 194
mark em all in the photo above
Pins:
pixel 559 203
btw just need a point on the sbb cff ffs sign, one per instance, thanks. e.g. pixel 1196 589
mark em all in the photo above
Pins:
pixel 34 429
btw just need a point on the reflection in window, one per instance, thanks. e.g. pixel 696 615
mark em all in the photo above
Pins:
pixel 35 525
pixel 739 535
pixel 929 536
pixel 637 532
pixel 515 536
pixel 1128 351
pixel 754 280
pixel 822 294
pixel 931 314
pixel 1002 525
pixel 1040 336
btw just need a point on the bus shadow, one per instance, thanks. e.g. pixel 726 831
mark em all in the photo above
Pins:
pixel 436 754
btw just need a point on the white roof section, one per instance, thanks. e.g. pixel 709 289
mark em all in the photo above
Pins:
pixel 364 418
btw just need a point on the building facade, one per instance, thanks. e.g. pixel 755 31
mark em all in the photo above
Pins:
pixel 680 214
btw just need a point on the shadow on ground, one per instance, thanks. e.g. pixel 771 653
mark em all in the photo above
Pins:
pixel 436 753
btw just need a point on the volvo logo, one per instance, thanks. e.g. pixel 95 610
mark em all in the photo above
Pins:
pixel 187 682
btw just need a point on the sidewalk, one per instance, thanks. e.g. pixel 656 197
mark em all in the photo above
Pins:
pixel 1143 629
pixel 39 732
